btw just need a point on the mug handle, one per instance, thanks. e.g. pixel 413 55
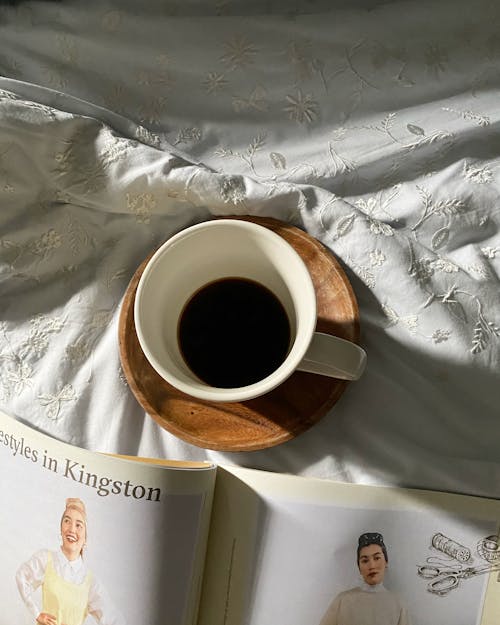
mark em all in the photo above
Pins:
pixel 334 357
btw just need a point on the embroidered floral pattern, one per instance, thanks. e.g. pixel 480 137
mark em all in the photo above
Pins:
pixel 302 108
pixel 54 402
pixel 248 155
pixel 239 52
pixel 46 243
pixel 484 332
pixel 141 204
pixel 479 175
pixel 188 135
pixel 441 336
pixel 214 82
pixel 377 258
pixel 335 137
pixel 410 321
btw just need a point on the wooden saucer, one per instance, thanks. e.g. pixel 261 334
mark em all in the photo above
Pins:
pixel 271 419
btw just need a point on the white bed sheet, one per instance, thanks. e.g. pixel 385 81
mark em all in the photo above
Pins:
pixel 374 127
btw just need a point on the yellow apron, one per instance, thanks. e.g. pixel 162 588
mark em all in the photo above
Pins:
pixel 68 602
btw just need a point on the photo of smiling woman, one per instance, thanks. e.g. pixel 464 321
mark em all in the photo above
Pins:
pixel 70 592
pixel 370 603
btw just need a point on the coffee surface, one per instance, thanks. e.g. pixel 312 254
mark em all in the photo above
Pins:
pixel 233 332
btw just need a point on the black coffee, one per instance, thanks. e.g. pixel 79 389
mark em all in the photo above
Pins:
pixel 233 332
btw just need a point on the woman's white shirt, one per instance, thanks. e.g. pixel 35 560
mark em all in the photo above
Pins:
pixel 30 576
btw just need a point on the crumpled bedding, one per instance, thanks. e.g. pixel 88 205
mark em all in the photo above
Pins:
pixel 374 127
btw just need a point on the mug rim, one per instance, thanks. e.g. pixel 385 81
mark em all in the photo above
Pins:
pixel 197 387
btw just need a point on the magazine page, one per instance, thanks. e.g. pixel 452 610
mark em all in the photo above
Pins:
pixel 314 552
pixel 232 547
pixel 91 538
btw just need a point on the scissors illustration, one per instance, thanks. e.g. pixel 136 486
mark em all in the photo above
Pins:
pixel 445 579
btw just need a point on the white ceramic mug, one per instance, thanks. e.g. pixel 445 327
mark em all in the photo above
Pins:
pixel 225 248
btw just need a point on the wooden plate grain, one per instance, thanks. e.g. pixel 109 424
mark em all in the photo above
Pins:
pixel 269 420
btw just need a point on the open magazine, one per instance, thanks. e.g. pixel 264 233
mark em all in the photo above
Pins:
pixel 174 543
